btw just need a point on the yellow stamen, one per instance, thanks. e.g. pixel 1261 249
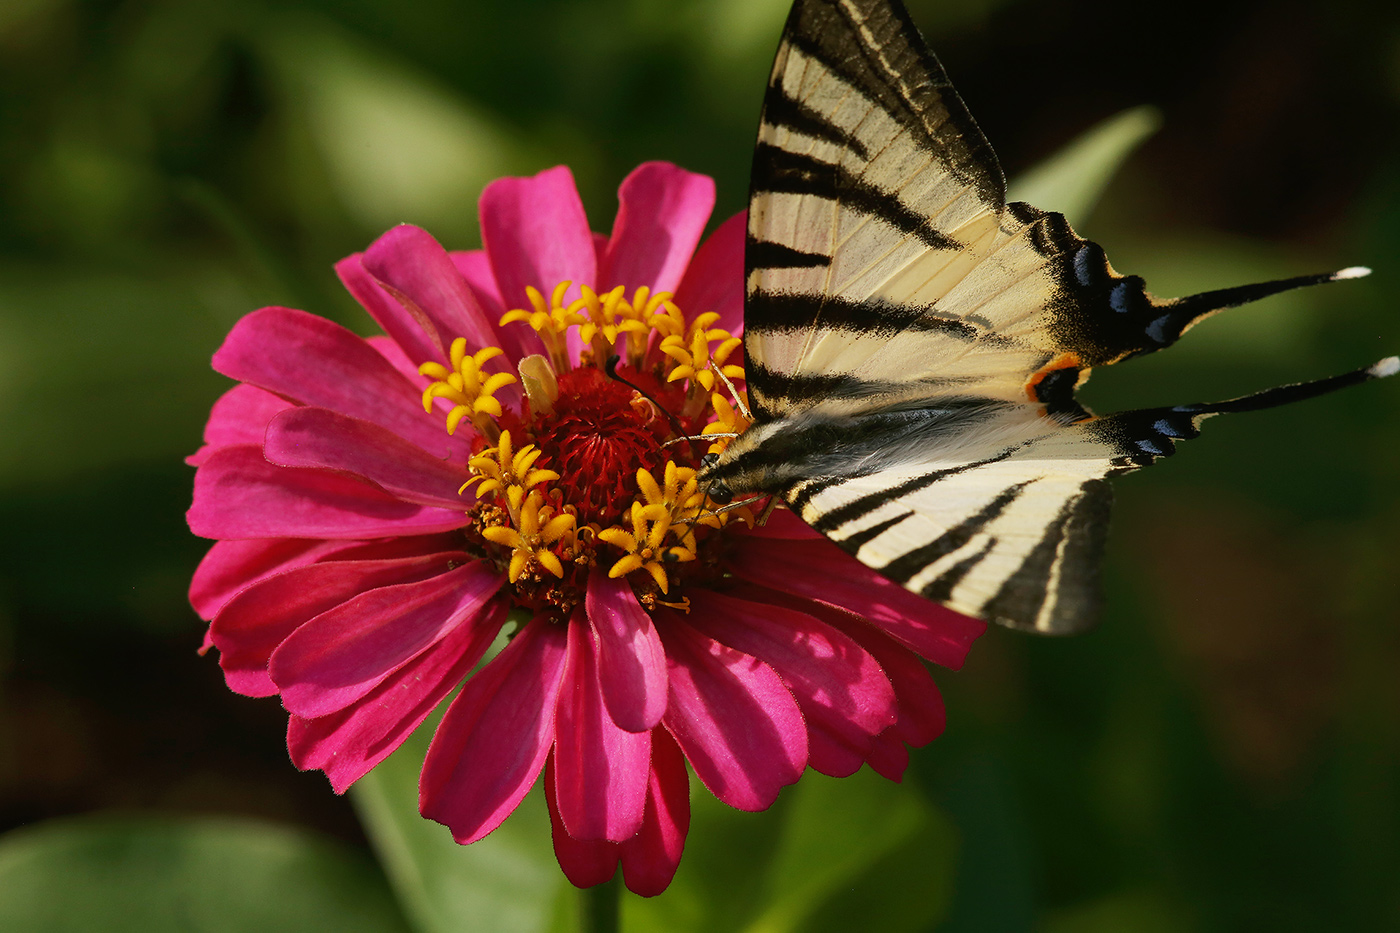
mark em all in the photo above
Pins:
pixel 680 495
pixel 728 421
pixel 551 320
pixel 693 357
pixel 611 317
pixel 468 387
pixel 536 530
pixel 645 543
pixel 498 469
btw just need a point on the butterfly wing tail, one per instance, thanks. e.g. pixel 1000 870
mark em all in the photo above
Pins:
pixel 1145 436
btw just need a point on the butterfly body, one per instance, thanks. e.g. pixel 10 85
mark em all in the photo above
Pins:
pixel 913 341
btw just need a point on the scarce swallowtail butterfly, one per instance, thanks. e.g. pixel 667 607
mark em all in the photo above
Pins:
pixel 913 341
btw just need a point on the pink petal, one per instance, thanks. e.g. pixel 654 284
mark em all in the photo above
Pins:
pixel 600 770
pixel 416 336
pixel 585 863
pixel 714 281
pixel 231 565
pixel 475 266
pixel 347 744
pixel 315 362
pixel 784 524
pixel 650 858
pixel 518 339
pixel 340 655
pixel 391 351
pixel 845 697
pixel 492 743
pixel 832 754
pixel 820 570
pixel 238 494
pixel 921 713
pixel 319 437
pixel 536 233
pixel 253 623
pixel 417 272
pixel 732 716
pixel 662 211
pixel 393 548
pixel 631 661
pixel 889 757
pixel 240 416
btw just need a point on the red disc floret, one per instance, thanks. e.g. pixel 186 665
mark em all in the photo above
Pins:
pixel 596 439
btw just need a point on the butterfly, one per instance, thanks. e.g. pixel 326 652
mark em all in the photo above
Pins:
pixel 913 341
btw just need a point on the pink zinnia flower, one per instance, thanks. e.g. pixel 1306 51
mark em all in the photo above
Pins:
pixel 381 506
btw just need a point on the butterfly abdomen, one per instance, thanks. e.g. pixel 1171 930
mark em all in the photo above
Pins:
pixel 773 455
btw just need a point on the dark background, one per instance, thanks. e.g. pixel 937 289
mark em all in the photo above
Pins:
pixel 1224 753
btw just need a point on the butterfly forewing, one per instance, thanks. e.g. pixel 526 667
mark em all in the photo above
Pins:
pixel 882 256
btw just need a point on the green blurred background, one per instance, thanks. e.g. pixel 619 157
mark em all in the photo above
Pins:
pixel 1223 754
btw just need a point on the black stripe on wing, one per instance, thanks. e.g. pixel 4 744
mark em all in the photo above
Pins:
pixel 780 110
pixel 874 46
pixel 762 254
pixel 1142 437
pixel 905 567
pixel 940 589
pixel 779 171
pixel 1067 557
pixel 770 312
pixel 860 538
pixel 775 390
pixel 858 508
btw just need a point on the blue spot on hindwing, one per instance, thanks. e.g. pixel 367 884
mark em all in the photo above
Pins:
pixel 1157 330
pixel 1120 298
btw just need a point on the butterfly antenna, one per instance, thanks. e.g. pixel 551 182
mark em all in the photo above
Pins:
pixel 733 393
pixel 699 437
pixel 610 367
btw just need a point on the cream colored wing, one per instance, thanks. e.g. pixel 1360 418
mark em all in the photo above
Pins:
pixel 883 264
pixel 1003 516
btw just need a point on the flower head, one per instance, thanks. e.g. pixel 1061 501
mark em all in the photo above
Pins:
pixel 382 506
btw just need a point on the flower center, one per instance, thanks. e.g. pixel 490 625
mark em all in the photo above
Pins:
pixel 597 439
pixel 588 475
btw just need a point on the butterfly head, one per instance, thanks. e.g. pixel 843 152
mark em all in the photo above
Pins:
pixel 757 461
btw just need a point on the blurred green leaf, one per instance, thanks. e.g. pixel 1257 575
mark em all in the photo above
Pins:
pixel 1140 910
pixel 15 13
pixel 398 146
pixel 1071 180
pixel 98 370
pixel 832 855
pixel 109 874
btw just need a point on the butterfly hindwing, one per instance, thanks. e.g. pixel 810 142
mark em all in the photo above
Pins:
pixel 1005 523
